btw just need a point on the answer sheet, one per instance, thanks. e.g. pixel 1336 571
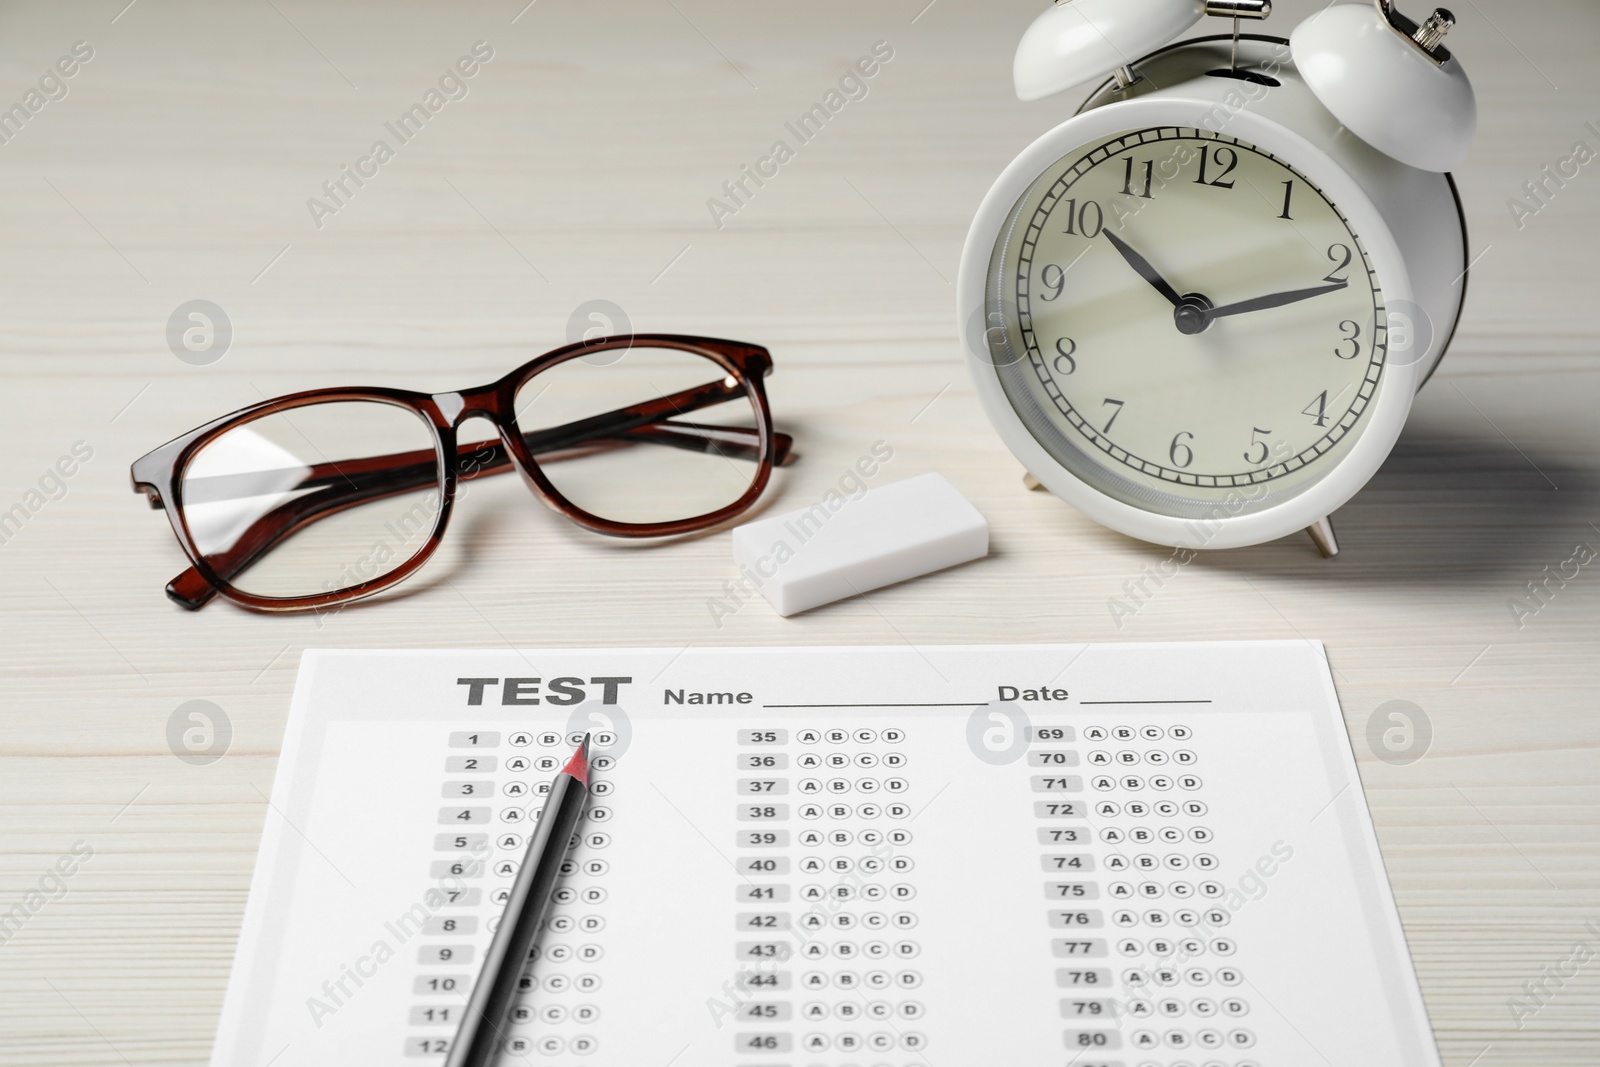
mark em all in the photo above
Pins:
pixel 1094 855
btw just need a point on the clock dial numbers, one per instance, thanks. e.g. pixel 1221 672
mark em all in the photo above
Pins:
pixel 1194 315
pixel 1178 452
pixel 1351 329
pixel 1259 449
pixel 1225 162
pixel 1053 277
pixel 1115 411
pixel 1064 364
pixel 1087 220
pixel 1318 409
pixel 1129 188
pixel 1342 254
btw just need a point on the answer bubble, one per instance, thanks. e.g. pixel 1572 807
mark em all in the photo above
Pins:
pixel 199 732
pixel 998 732
pixel 199 332
pixel 1399 733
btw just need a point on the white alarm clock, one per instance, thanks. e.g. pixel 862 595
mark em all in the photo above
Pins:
pixel 1199 309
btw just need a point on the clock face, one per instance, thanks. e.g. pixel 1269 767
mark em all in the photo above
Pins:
pixel 1184 321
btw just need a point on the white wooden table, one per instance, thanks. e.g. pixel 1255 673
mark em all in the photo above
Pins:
pixel 578 167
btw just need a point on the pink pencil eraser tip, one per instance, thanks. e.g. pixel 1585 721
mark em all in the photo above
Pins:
pixel 849 544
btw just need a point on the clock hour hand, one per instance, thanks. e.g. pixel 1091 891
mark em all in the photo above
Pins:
pixel 1145 270
pixel 1262 303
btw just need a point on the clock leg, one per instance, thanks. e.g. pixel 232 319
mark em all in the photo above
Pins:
pixel 1031 483
pixel 1321 532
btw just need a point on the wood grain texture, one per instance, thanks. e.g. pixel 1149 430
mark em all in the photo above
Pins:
pixel 578 166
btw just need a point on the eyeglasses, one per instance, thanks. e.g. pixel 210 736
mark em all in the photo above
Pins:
pixel 327 496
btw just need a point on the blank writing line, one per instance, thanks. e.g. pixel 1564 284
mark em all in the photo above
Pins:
pixel 969 704
pixel 1086 703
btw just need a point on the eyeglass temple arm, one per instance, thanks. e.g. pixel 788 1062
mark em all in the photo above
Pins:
pixel 194 591
pixel 345 484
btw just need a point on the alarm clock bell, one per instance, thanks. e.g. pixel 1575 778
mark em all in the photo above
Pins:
pixel 1391 81
pixel 1082 40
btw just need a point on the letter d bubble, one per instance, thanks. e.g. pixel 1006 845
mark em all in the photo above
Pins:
pixel 612 729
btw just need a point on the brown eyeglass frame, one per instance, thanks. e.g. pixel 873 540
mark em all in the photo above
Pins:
pixel 341 485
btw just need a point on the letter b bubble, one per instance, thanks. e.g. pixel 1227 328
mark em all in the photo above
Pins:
pixel 998 732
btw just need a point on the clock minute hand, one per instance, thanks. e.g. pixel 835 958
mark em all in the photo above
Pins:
pixel 1145 270
pixel 1262 303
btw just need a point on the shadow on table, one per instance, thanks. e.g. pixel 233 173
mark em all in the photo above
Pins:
pixel 1445 507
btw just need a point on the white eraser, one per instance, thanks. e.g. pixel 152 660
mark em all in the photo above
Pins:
pixel 844 545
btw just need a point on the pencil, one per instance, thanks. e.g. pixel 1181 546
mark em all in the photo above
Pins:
pixel 482 1032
